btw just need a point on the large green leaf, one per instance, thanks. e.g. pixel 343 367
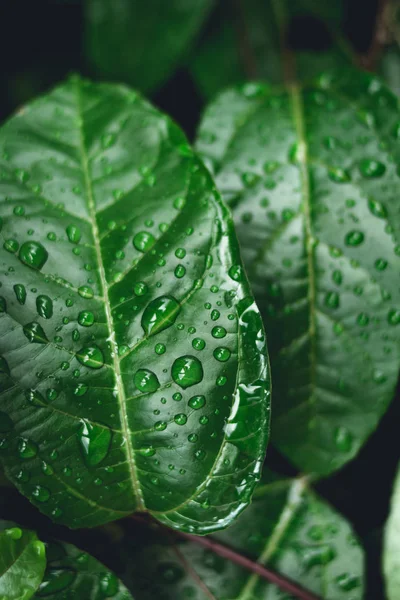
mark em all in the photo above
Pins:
pixel 391 551
pixel 287 528
pixel 22 562
pixel 312 176
pixel 247 37
pixel 75 575
pixel 141 42
pixel 133 373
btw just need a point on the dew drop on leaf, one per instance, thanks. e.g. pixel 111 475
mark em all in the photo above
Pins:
pixel 86 318
pixel 146 381
pixel 160 314
pixel 41 493
pixel 218 332
pixel 74 234
pixel 343 439
pixel 20 293
pixel 371 168
pixel 56 580
pixel 144 241
pixel 44 306
pixel 187 371
pixel 180 419
pixel 85 291
pixel 354 238
pixel 35 334
pixel 26 448
pixel 197 402
pixel 377 208
pixel 222 354
pixel 91 356
pixel 198 344
pixel 394 317
pixel 33 254
pixel 94 441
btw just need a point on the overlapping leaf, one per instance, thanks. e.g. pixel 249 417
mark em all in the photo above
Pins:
pixel 133 360
pixel 72 574
pixel 22 562
pixel 312 176
pixel 141 42
pixel 287 527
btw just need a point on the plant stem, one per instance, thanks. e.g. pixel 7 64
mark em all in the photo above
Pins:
pixel 369 61
pixel 284 583
pixel 245 49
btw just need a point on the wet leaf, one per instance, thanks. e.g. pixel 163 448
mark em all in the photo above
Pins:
pixel 102 200
pixel 22 562
pixel 312 176
pixel 287 528
pixel 141 42
pixel 72 574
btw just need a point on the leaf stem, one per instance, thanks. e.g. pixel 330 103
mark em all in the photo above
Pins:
pixel 282 581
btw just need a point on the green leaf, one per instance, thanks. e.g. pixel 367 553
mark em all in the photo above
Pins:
pixel 141 42
pixel 246 42
pixel 72 574
pixel 312 177
pixel 391 549
pixel 134 367
pixel 287 528
pixel 22 562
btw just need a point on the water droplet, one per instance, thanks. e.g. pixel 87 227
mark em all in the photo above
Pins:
pixel 180 253
pixel 160 426
pixel 197 402
pixel 109 585
pixel 193 437
pixel 140 289
pixel 44 307
pixel 180 271
pixel 394 317
pixel 343 439
pixel 187 371
pixel 86 318
pixel 250 179
pixel 55 580
pixel 318 555
pixel 354 238
pixel 371 168
pixel 33 254
pixel 222 354
pixel 215 315
pixel 363 319
pixel 41 493
pixel 108 140
pixel 95 441
pixel 11 246
pixel 35 398
pixel 80 389
pixel 160 314
pixel 332 300
pixel 144 241
pixel 180 419
pixel 26 448
pixel 198 344
pixel 160 349
pixel 339 175
pixel 74 234
pixel 381 264
pixel 146 381
pixel 218 332
pixel 86 291
pixel 20 292
pixel 34 332
pixel 147 451
pixel 377 208
pixel 91 356
pixel 236 272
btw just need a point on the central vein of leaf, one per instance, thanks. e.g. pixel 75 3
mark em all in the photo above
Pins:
pixel 298 117
pixel 118 376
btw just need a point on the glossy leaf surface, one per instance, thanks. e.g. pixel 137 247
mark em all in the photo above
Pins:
pixel 133 360
pixel 247 38
pixel 75 575
pixel 141 42
pixel 391 550
pixel 312 176
pixel 22 562
pixel 287 528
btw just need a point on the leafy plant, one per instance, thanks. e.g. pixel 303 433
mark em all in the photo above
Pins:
pixel 134 372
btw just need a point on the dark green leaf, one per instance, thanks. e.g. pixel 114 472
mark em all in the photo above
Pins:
pixel 287 528
pixel 141 42
pixel 246 42
pixel 312 176
pixel 75 575
pixel 391 551
pixel 134 372
pixel 22 562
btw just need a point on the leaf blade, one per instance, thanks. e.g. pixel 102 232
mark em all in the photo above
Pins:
pixel 99 419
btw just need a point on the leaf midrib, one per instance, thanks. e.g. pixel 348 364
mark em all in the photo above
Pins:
pixel 126 433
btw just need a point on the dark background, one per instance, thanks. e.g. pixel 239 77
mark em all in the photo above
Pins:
pixel 41 42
